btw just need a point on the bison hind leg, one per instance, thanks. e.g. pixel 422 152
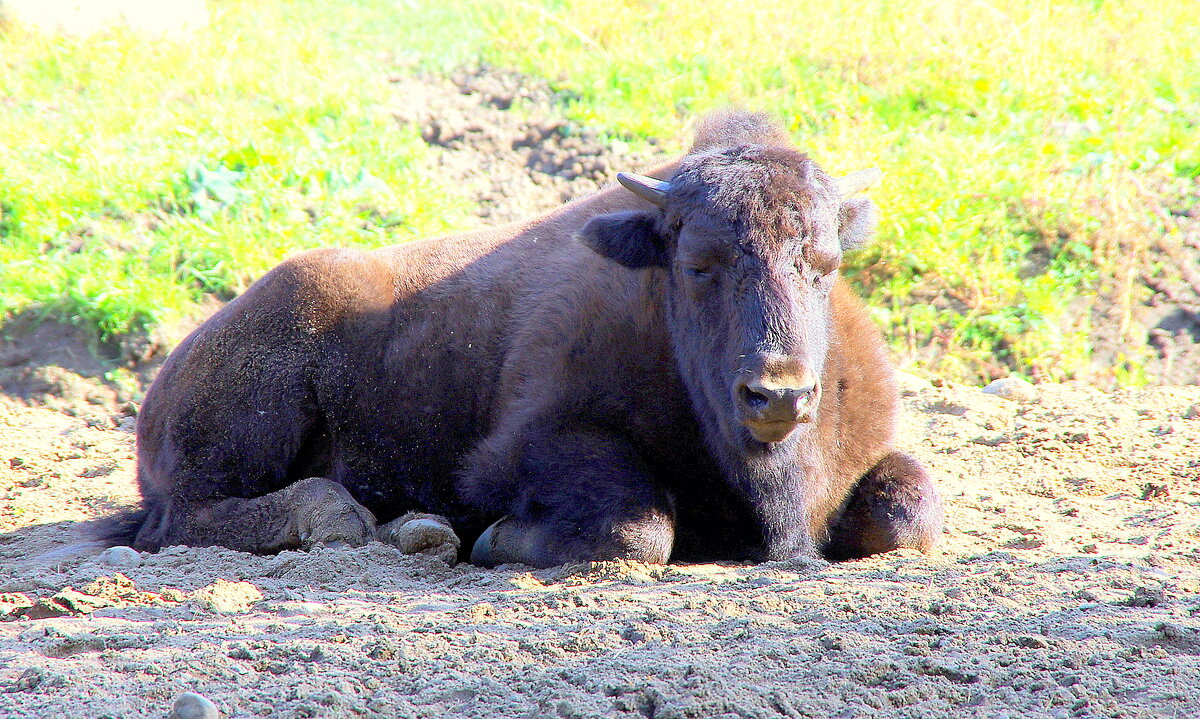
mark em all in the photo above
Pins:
pixel 893 505
pixel 300 516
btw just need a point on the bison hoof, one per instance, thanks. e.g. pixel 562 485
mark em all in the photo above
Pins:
pixel 510 541
pixel 487 553
pixel 428 534
pixel 326 514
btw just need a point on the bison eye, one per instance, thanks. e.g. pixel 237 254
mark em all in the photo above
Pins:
pixel 697 272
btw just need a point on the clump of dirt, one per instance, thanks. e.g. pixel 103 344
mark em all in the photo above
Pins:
pixel 504 139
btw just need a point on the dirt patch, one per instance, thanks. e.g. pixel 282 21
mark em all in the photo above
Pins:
pixel 61 366
pixel 1067 585
pixel 503 137
pixel 1148 308
pixel 64 367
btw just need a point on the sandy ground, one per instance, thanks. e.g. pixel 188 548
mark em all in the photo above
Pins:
pixel 1067 584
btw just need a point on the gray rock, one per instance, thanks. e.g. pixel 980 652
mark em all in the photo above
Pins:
pixel 121 556
pixel 190 705
pixel 1013 388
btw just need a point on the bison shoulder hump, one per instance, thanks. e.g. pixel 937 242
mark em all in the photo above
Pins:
pixel 325 284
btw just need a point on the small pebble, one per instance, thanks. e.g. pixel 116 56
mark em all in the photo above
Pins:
pixel 1012 388
pixel 121 556
pixel 190 705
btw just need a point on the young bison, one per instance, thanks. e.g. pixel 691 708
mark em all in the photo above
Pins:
pixel 672 372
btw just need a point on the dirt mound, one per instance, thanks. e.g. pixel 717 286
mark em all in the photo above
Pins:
pixel 59 366
pixel 503 137
pixel 1067 585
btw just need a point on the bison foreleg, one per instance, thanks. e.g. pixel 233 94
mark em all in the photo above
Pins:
pixel 583 494
pixel 894 505
pixel 309 512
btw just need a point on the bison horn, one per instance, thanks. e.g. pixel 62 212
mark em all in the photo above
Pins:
pixel 857 181
pixel 647 188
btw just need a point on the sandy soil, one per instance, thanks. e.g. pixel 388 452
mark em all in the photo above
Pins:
pixel 1067 584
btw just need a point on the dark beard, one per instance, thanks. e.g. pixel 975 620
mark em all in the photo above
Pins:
pixel 780 482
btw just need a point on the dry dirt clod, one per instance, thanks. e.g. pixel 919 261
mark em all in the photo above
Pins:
pixel 227 597
pixel 1146 597
pixel 66 603
pixel 1179 635
pixel 190 705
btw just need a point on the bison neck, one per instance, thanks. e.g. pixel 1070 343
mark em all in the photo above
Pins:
pixel 785 488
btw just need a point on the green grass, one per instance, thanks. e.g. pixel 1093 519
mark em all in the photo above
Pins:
pixel 137 175
pixel 1018 140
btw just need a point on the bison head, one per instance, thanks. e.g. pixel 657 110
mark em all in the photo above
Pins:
pixel 750 238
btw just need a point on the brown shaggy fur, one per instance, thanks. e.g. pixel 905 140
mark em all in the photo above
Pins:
pixel 579 388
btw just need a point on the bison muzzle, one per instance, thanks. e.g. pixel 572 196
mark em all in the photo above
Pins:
pixel 673 370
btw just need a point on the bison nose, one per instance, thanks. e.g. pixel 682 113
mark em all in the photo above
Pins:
pixel 772 407
pixel 768 403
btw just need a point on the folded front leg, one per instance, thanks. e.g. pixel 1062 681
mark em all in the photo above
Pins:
pixel 894 505
pixel 579 494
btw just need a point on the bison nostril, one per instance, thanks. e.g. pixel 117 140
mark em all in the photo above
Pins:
pixel 752 399
pixel 805 395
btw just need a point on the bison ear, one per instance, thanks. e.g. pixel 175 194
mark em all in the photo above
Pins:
pixel 627 238
pixel 856 222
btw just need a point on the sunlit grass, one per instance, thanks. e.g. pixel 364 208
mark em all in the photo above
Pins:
pixel 101 224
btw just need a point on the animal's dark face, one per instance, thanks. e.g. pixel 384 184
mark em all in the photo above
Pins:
pixel 751 239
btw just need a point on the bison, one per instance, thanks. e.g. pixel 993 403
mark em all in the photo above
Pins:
pixel 674 370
